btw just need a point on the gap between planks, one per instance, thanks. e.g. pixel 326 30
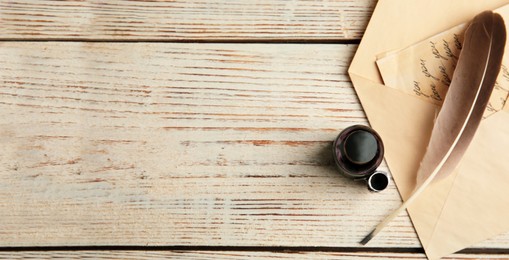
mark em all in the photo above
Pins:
pixel 236 253
pixel 286 249
pixel 198 41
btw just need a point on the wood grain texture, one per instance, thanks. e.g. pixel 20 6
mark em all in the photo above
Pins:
pixel 110 255
pixel 184 20
pixel 182 144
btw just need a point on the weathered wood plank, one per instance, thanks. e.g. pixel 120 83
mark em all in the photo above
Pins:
pixel 182 144
pixel 185 20
pixel 227 255
pixel 169 144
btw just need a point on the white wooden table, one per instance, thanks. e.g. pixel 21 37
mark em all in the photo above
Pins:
pixel 186 129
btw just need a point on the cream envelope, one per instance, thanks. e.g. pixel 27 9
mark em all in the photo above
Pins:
pixel 471 205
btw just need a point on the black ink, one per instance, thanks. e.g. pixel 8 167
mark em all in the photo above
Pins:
pixel 445 77
pixel 378 181
pixel 505 72
pixel 448 50
pixel 360 147
pixel 457 42
pixel 436 95
pixel 418 90
pixel 497 86
pixel 436 52
pixel 365 140
pixel 426 72
pixel 490 107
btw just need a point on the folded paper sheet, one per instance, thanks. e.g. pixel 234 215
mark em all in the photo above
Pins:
pixel 470 205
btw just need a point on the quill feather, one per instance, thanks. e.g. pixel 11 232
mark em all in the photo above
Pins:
pixel 469 92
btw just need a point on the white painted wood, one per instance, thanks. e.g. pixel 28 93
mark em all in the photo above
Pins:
pixel 182 144
pixel 184 20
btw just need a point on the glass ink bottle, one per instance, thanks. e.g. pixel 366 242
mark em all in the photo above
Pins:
pixel 358 151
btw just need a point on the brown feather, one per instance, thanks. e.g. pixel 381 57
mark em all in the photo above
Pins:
pixel 469 93
pixel 473 81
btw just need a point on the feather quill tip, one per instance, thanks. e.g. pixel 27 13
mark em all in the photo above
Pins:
pixel 367 238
